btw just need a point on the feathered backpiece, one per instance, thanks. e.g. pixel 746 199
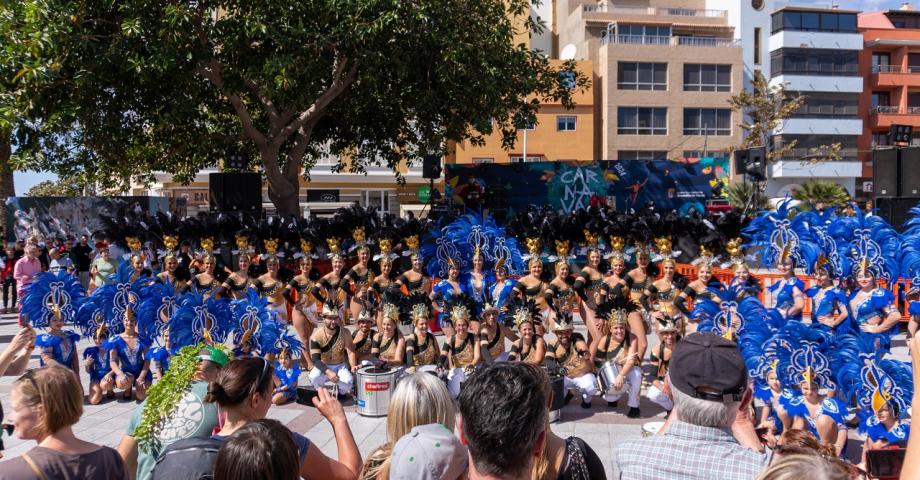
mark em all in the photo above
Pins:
pixel 807 358
pixel 616 310
pixel 255 326
pixel 52 296
pixel 120 299
pixel 166 230
pixel 200 320
pixel 419 305
pixel 521 310
pixel 332 308
pixel 288 346
pixel 271 231
pixel 460 307
pixel 818 224
pixel 728 313
pixel 871 245
pixel 783 236
pixel 875 381
pixel 442 253
pixel 160 302
pixel 396 307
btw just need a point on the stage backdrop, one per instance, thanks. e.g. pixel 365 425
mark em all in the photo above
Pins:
pixel 569 185
pixel 62 216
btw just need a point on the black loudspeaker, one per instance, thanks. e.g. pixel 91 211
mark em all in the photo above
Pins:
pixel 895 210
pixel 900 133
pixel 910 172
pixel 752 162
pixel 235 192
pixel 885 172
pixel 741 160
pixel 431 167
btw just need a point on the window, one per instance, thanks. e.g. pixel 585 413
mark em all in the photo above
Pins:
pixel 913 62
pixel 565 123
pixel 880 140
pixel 642 155
pixel 517 158
pixel 806 144
pixel 757 44
pixel 690 154
pixel 881 99
pixel 814 61
pixel 642 121
pixel 643 34
pixel 568 80
pixel 881 62
pixel 707 121
pixel 707 78
pixel 642 76
pixel 482 160
pixel 814 21
pixel 827 105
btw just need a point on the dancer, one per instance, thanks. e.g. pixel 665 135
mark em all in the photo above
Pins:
pixel 617 258
pixel 96 362
pixel 618 346
pixel 492 335
pixel 828 302
pixel 50 302
pixel 237 282
pixel 205 283
pixel 356 281
pixel 529 347
pixel 502 290
pixel 382 283
pixel 588 287
pixel 389 347
pixel 303 313
pixel 460 352
pixel 287 370
pixel 444 292
pixel 414 279
pixel 421 346
pixel 269 285
pixel 328 288
pixel 665 290
pixel 362 340
pixel 668 334
pixel 531 287
pixel 332 351
pixel 571 353
pixel 127 359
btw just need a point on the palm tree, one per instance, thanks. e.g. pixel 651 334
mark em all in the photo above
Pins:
pixel 740 193
pixel 813 192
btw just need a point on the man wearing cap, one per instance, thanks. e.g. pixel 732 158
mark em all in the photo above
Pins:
pixel 189 417
pixel 428 452
pixel 711 434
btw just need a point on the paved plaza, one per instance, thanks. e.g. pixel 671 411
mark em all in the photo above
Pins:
pixel 600 427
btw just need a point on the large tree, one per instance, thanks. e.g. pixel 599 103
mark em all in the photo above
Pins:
pixel 117 89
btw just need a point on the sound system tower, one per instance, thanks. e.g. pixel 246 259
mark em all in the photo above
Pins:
pixel 910 172
pixel 885 166
pixel 235 192
pixel 895 210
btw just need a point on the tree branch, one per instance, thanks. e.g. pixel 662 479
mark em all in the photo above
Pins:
pixel 292 166
pixel 266 102
pixel 212 71
pixel 340 81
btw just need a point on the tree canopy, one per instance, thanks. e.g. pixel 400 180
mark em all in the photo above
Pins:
pixel 63 187
pixel 115 90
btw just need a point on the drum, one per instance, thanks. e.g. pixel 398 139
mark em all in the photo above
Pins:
pixel 651 428
pixel 375 386
pixel 605 377
pixel 557 382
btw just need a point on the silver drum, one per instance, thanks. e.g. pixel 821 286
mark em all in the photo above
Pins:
pixel 375 386
pixel 605 377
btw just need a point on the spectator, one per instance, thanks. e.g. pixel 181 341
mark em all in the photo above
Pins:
pixel 711 434
pixel 911 468
pixel 102 267
pixel 261 449
pixel 576 459
pixel 503 401
pixel 46 403
pixel 419 399
pixel 188 417
pixel 243 391
pixel 796 441
pixel 15 358
pixel 429 452
pixel 25 270
pixel 59 262
pixel 8 281
pixel 80 254
pixel 812 467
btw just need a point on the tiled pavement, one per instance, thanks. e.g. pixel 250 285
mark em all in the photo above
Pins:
pixel 600 427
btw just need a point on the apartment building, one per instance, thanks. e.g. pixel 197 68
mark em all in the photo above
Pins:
pixel 890 67
pixel 665 71
pixel 815 54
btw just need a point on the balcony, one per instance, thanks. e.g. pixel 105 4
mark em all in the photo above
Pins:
pixel 820 126
pixel 654 11
pixel 894 76
pixel 825 40
pixel 675 40
pixel 881 117
pixel 815 82
pixel 845 168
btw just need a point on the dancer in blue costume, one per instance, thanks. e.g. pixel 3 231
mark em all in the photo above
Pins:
pixel 287 369
pixel 50 302
pixel 254 325
pixel 828 301
pixel 910 268
pixel 808 364
pixel 160 303
pixel 501 291
pixel 96 359
pixel 883 389
pixel 786 244
pixel 444 293
pixel 869 250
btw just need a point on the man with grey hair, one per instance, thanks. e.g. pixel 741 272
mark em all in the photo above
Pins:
pixel 711 431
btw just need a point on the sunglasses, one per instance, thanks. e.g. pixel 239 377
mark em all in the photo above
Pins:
pixel 266 367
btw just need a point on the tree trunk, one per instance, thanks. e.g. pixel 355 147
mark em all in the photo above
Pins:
pixel 283 188
pixel 7 188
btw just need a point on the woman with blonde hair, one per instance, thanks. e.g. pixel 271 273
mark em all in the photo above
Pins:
pixel 46 403
pixel 419 399
pixel 812 467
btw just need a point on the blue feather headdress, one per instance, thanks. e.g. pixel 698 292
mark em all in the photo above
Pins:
pixel 910 249
pixel 826 256
pixel 198 320
pixel 90 318
pixel 730 315
pixel 120 298
pixel 288 345
pixel 255 326
pixel 468 236
pixel 52 295
pixel 160 303
pixel 867 244
pixel 875 382
pixel 806 355
pixel 783 235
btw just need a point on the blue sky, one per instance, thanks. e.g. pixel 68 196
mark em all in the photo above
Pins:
pixel 26 179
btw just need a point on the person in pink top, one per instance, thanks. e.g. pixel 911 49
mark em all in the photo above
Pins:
pixel 25 270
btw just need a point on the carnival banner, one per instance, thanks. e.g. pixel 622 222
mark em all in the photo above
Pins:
pixel 51 217
pixel 567 186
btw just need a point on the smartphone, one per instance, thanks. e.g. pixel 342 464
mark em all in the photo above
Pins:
pixel 762 434
pixel 885 463
pixel 24 320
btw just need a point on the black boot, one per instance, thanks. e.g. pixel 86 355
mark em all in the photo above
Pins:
pixel 586 405
pixel 633 412
pixel 612 404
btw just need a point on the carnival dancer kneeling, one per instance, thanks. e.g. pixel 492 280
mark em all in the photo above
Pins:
pixel 331 351
pixel 460 353
pixel 668 334
pixel 571 353
pixel 421 346
pixel 617 348
pixel 287 370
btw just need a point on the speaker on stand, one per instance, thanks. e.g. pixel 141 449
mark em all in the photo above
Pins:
pixel 235 192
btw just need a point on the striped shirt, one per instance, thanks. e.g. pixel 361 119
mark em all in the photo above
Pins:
pixel 689 452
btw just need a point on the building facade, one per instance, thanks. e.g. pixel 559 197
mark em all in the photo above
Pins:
pixel 815 54
pixel 889 65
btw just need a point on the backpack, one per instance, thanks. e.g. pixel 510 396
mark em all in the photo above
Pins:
pixel 188 459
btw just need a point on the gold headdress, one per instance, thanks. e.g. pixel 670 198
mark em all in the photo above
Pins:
pixel 534 246
pixel 735 252
pixel 591 238
pixel 334 247
pixel 242 244
pixel 617 247
pixel 207 245
pixel 134 244
pixel 390 311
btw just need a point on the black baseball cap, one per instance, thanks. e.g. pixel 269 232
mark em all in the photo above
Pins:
pixel 708 367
